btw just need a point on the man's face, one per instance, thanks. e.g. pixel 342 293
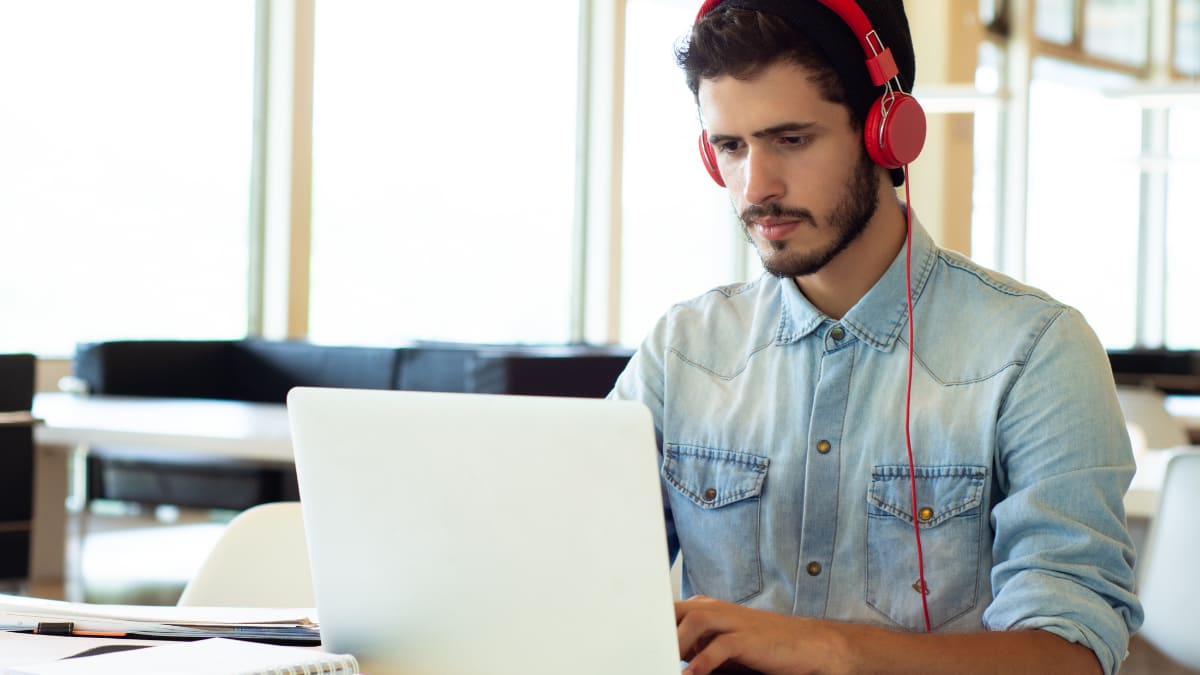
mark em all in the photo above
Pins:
pixel 795 167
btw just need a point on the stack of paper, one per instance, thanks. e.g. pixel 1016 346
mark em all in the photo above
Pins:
pixel 294 626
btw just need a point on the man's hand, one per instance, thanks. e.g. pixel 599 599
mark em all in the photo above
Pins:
pixel 713 633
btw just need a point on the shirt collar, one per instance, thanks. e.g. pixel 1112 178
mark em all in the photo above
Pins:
pixel 880 315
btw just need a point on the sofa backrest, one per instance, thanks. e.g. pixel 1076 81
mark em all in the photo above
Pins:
pixel 264 370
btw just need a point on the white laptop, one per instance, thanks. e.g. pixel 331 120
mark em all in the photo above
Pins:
pixel 483 534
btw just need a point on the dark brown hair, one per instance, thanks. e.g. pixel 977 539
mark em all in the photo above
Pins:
pixel 741 43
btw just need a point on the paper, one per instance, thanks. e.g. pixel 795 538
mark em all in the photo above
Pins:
pixel 202 657
pixel 19 649
pixel 295 624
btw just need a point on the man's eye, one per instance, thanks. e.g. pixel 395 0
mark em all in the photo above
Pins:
pixel 794 140
pixel 728 146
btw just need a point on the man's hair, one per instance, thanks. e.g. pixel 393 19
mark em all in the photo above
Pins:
pixel 740 43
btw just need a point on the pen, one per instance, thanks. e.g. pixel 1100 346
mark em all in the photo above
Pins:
pixel 67 628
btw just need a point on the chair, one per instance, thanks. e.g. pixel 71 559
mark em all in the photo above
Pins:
pixel 17 382
pixel 261 560
pixel 1169 586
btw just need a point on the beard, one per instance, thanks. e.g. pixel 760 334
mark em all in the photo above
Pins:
pixel 847 220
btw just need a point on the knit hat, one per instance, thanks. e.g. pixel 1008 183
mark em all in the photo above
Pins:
pixel 834 37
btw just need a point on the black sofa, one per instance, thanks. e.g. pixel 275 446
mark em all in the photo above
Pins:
pixel 263 370
pixel 1172 371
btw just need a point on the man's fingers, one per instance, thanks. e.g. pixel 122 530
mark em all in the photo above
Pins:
pixel 694 629
pixel 720 649
pixel 703 621
pixel 682 607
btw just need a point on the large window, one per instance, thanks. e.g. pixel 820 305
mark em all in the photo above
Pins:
pixel 680 235
pixel 1111 149
pixel 443 171
pixel 1084 180
pixel 124 170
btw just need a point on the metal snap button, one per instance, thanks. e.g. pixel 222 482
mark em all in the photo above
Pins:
pixel 837 333
pixel 925 514
pixel 823 447
pixel 813 568
pixel 710 494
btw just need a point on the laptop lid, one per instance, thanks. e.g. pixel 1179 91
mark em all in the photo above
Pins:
pixel 475 533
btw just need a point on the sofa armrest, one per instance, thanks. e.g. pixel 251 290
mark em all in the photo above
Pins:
pixel 167 368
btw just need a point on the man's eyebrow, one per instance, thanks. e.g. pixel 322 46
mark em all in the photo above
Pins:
pixel 786 126
pixel 717 139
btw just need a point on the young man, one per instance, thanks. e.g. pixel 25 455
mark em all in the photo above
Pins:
pixel 781 403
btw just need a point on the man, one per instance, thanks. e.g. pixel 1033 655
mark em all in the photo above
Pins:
pixel 781 403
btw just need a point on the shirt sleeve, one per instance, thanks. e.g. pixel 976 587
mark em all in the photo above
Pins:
pixel 1063 557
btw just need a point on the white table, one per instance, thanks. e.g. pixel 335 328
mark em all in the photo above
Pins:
pixel 151 427
pixel 1187 410
pixel 1141 501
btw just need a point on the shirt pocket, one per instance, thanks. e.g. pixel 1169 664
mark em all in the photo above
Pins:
pixel 950 516
pixel 715 502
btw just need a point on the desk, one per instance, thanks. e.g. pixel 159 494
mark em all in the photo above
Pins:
pixel 1187 410
pixel 182 428
pixel 1141 501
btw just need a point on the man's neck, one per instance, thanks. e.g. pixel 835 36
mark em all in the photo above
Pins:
pixel 841 283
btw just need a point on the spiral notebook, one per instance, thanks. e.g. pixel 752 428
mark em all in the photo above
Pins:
pixel 216 656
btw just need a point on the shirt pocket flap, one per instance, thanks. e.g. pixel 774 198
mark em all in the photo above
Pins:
pixel 943 492
pixel 713 478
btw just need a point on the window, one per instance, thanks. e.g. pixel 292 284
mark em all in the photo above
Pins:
pixel 1084 201
pixel 986 146
pixel 1183 237
pixel 443 171
pixel 680 235
pixel 1118 30
pixel 1114 31
pixel 124 176
pixel 1187 37
pixel 1054 21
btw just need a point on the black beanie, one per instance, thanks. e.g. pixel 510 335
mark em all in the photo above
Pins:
pixel 834 37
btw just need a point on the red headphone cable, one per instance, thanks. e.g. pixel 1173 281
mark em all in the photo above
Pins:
pixel 912 470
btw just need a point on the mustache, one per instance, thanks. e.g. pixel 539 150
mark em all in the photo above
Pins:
pixel 775 210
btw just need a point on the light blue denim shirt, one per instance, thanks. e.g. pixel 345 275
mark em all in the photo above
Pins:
pixel 785 474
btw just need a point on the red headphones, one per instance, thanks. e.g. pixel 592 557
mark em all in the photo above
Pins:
pixel 894 130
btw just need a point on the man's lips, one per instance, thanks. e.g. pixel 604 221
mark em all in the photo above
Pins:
pixel 773 229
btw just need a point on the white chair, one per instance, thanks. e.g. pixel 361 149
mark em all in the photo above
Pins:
pixel 1169 584
pixel 261 560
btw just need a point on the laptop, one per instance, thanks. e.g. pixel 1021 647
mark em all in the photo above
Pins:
pixel 483 534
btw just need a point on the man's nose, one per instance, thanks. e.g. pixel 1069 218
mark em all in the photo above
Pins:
pixel 763 178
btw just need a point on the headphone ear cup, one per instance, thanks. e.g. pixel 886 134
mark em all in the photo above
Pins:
pixel 709 157
pixel 896 137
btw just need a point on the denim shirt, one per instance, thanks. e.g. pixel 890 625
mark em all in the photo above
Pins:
pixel 785 472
